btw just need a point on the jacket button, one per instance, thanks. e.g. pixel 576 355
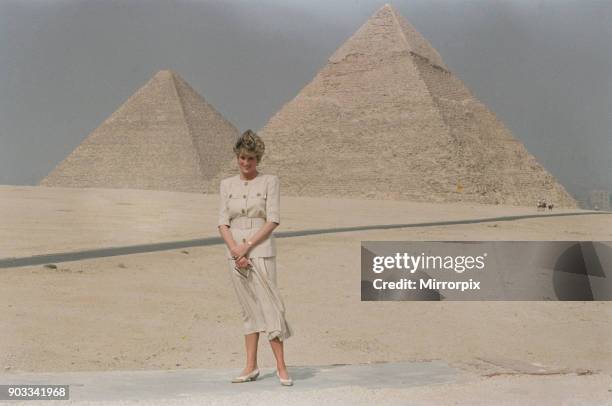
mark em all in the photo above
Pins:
pixel 243 211
pixel 230 195
pixel 244 240
pixel 244 196
pixel 246 183
pixel 258 194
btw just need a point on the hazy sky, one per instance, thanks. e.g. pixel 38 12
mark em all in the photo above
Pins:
pixel 544 67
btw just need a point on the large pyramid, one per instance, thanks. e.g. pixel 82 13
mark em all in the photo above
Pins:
pixel 164 137
pixel 385 118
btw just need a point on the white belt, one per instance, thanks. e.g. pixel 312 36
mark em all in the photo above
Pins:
pixel 244 222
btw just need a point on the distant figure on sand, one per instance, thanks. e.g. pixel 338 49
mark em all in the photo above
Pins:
pixel 541 205
pixel 248 213
pixel 550 206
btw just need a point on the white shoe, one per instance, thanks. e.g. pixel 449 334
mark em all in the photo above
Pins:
pixel 248 377
pixel 284 382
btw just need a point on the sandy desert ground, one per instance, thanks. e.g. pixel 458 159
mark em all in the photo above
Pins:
pixel 176 308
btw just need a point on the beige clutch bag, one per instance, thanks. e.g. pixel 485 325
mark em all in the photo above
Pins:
pixel 244 272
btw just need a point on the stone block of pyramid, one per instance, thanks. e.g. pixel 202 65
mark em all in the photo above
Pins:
pixel 164 137
pixel 386 118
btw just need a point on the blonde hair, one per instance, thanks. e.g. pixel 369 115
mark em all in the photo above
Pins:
pixel 250 143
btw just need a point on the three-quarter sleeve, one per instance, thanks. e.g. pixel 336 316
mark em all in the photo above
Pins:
pixel 273 200
pixel 223 213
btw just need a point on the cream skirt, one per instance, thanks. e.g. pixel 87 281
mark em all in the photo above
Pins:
pixel 263 309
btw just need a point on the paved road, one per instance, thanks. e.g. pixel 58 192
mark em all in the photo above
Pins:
pixel 135 249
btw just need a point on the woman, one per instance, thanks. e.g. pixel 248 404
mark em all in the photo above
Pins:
pixel 248 213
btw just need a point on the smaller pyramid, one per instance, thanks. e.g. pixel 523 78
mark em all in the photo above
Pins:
pixel 164 137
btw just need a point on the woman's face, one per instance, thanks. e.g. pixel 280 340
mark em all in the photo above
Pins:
pixel 247 164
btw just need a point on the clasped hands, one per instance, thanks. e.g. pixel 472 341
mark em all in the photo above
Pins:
pixel 239 255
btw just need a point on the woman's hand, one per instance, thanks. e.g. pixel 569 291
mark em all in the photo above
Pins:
pixel 242 262
pixel 240 250
pixel 234 250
